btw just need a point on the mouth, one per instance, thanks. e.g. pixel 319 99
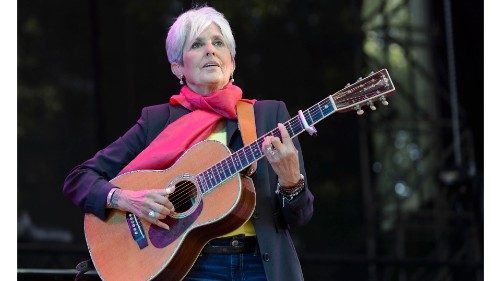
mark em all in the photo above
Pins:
pixel 211 64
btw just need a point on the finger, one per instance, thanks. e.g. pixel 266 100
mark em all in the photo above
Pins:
pixel 271 155
pixel 162 224
pixel 161 191
pixel 265 143
pixel 276 142
pixel 266 146
pixel 163 199
pixel 162 211
pixel 155 194
pixel 155 221
pixel 285 137
pixel 158 223
pixel 170 189
pixel 169 205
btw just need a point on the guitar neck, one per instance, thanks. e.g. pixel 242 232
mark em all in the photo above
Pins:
pixel 363 92
pixel 245 156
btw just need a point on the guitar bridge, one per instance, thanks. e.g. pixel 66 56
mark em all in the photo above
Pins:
pixel 137 231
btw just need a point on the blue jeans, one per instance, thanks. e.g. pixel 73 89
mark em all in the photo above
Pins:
pixel 209 267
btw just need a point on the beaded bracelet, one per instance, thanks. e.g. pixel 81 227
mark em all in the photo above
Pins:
pixel 290 192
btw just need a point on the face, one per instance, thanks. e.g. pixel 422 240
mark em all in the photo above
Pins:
pixel 207 62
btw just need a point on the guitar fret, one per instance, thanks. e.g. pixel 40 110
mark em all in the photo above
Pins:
pixel 237 162
pixel 242 158
pixel 276 133
pixel 320 111
pixel 289 128
pixel 315 117
pixel 256 153
pixel 297 125
pixel 208 186
pixel 210 177
pixel 225 166
pixel 222 171
pixel 247 152
pixel 324 106
pixel 203 183
pixel 310 121
pixel 259 144
pixel 232 165
pixel 199 178
pixel 215 174
pixel 219 173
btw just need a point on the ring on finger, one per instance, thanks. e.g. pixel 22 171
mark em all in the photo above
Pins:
pixel 152 214
pixel 271 151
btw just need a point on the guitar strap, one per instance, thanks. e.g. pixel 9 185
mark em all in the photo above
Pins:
pixel 246 123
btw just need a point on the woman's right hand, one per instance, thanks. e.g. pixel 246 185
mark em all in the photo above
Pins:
pixel 142 202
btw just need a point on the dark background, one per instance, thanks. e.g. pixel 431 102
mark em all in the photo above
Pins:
pixel 86 68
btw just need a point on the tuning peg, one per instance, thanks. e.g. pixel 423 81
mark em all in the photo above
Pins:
pixel 359 79
pixel 371 105
pixel 383 100
pixel 347 85
pixel 358 109
pixel 371 73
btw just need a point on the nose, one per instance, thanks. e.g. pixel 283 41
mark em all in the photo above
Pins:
pixel 210 50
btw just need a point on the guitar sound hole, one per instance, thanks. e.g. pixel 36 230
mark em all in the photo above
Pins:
pixel 184 196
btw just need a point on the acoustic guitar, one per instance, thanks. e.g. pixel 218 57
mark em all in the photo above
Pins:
pixel 210 197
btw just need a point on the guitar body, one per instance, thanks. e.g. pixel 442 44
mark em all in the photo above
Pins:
pixel 170 254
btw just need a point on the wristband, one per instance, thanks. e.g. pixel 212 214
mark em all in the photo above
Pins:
pixel 109 201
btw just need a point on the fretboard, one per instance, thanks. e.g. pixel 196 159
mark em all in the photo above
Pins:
pixel 238 161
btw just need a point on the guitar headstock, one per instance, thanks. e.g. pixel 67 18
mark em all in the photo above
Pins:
pixel 366 91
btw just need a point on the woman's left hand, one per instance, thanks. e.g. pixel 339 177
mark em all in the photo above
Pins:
pixel 283 157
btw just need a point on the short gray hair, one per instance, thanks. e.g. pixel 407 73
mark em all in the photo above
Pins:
pixel 190 25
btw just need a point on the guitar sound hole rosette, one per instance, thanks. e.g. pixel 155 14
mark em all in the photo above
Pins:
pixel 186 196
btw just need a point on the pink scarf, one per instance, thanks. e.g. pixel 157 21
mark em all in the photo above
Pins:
pixel 191 128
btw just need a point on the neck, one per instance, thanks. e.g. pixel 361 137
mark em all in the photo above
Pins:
pixel 205 89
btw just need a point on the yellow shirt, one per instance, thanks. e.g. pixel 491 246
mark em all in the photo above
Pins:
pixel 220 134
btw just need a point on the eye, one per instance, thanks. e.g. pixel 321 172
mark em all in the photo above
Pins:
pixel 219 43
pixel 196 45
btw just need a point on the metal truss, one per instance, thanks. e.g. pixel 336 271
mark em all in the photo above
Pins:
pixel 419 204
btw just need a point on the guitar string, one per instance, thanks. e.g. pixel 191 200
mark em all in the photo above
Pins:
pixel 183 197
pixel 294 123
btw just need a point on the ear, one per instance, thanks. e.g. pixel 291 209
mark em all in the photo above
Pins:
pixel 176 69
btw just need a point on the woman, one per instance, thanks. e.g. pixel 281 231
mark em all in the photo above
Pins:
pixel 201 50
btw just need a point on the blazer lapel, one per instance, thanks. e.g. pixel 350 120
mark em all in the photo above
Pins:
pixel 176 112
pixel 233 139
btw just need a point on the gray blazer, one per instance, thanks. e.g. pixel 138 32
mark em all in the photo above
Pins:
pixel 87 185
